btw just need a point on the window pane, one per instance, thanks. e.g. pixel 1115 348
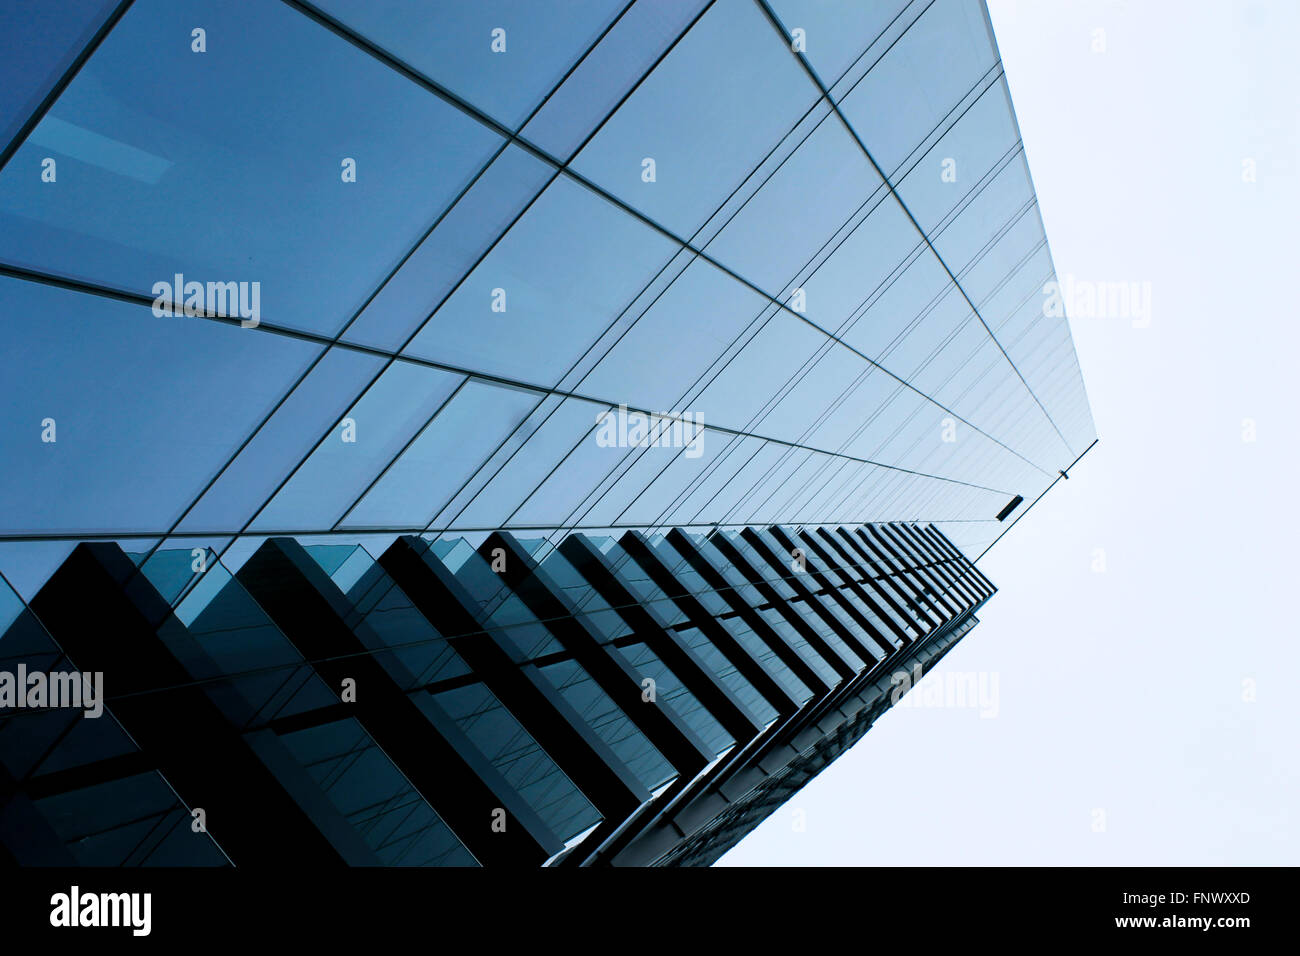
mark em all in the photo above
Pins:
pixel 351 455
pixel 528 768
pixel 444 456
pixel 602 79
pixel 726 94
pixel 41 41
pixel 547 291
pixel 610 723
pixel 905 96
pixel 451 42
pixel 836 33
pixel 246 141
pixel 117 419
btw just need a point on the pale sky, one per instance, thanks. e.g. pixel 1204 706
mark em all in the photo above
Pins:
pixel 1146 713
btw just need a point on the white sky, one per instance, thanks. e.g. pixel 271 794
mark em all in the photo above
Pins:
pixel 1122 691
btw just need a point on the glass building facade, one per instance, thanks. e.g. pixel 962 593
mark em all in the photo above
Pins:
pixel 497 357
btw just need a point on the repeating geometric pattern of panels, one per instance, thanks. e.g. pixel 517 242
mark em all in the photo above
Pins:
pixel 839 263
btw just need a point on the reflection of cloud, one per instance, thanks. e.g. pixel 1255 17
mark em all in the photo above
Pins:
pixel 72 140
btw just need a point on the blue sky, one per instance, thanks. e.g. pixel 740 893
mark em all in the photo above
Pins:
pixel 1145 713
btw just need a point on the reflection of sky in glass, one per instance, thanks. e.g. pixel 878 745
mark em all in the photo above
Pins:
pixel 231 171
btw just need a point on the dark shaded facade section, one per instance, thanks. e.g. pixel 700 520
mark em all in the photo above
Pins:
pixel 646 700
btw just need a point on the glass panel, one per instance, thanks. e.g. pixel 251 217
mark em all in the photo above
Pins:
pixel 468 230
pixel 11 605
pixel 347 459
pixel 563 578
pixel 955 166
pixel 444 456
pixel 601 80
pixel 517 477
pixel 572 481
pixel 921 78
pixel 717 664
pixel 250 139
pixel 680 338
pixel 116 823
pixel 86 742
pixel 456 44
pixel 269 675
pixel 423 654
pixel 689 578
pixel 547 291
pixel 317 403
pixel 117 419
pixel 41 41
pixel 670 691
pixel 836 33
pixel 374 797
pixel 609 722
pixel 805 216
pixel 767 659
pixel 702 126
pixel 965 236
pixel 735 580
pixel 715 499
pixel 805 650
pixel 172 567
pixel 670 473
pixel 741 389
pixel 500 608
pixel 528 768
pixel 758 563
pixel 643 590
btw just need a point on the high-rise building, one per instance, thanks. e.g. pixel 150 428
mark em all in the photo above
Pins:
pixel 501 432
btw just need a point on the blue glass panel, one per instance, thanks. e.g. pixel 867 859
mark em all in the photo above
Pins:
pixel 441 260
pixel 41 41
pixel 798 210
pixel 105 824
pixel 717 664
pixel 547 291
pixel 610 723
pixel 746 385
pixel 11 605
pixel 317 403
pixel 374 797
pixel 703 127
pixel 444 456
pixel 962 159
pixel 395 408
pixel 679 339
pixel 528 768
pixel 232 168
pixel 671 692
pixel 454 43
pixel 144 410
pixel 594 610
pixel 922 77
pixel 268 673
pixel 836 33
pixel 612 68
pixel 515 479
